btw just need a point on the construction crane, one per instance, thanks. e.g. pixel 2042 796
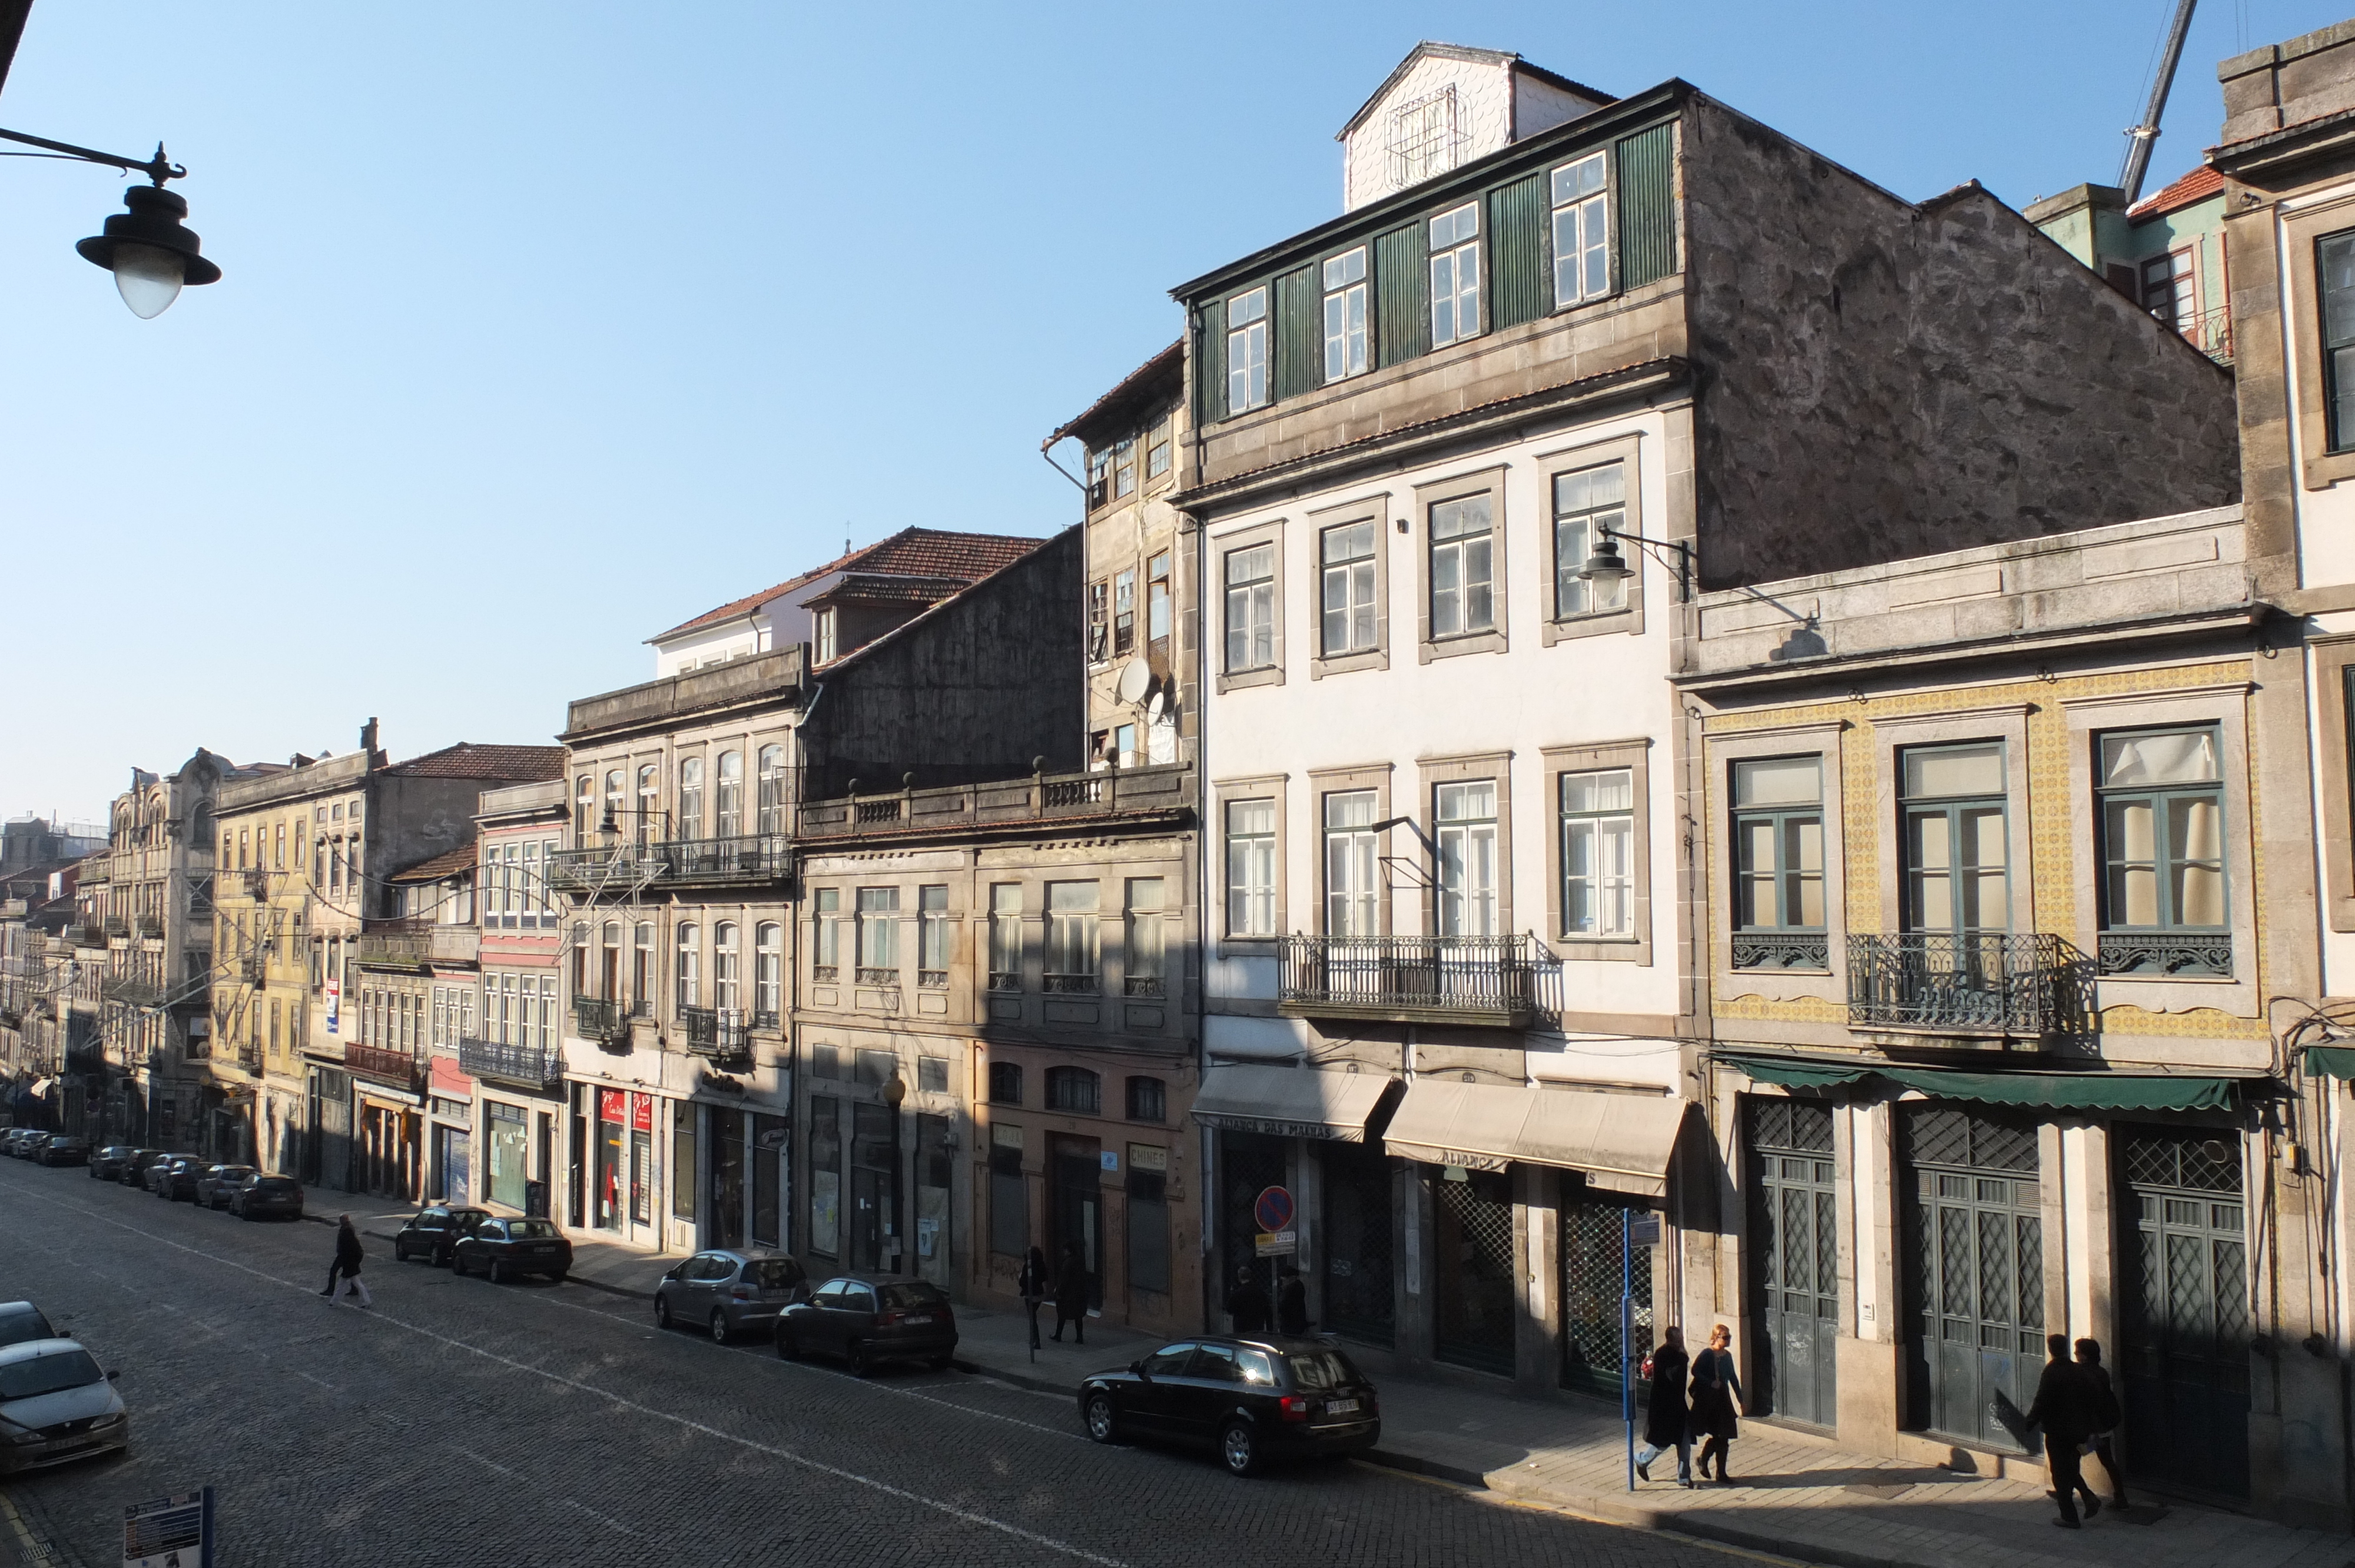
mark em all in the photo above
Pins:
pixel 2140 137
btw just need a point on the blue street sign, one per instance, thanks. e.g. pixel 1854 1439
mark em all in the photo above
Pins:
pixel 1273 1210
pixel 169 1532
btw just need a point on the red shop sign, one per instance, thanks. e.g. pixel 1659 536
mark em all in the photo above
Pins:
pixel 642 1112
pixel 612 1105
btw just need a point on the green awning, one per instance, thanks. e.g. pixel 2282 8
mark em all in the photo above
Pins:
pixel 2331 1061
pixel 2068 1091
pixel 1795 1075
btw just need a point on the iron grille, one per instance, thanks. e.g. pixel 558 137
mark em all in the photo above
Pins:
pixel 1797 1125
pixel 1782 951
pixel 516 1064
pixel 715 1032
pixel 2185 1351
pixel 1592 1243
pixel 1359 1273
pixel 1977 1269
pixel 1477 1310
pixel 597 1018
pixel 1976 982
pixel 2165 953
pixel 2196 1161
pixel 1509 980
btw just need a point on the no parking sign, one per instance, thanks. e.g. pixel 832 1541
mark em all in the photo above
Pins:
pixel 1273 1210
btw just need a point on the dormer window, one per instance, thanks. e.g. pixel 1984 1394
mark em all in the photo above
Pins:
pixel 1455 275
pixel 825 635
pixel 1424 140
pixel 1582 232
pixel 1247 351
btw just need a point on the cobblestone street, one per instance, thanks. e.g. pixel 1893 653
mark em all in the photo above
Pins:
pixel 463 1421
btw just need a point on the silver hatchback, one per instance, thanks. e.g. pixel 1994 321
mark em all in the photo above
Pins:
pixel 725 1293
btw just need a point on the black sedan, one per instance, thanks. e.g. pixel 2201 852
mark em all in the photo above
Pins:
pixel 152 1177
pixel 106 1164
pixel 867 1320
pixel 134 1169
pixel 505 1248
pixel 432 1231
pixel 63 1149
pixel 176 1177
pixel 1254 1399
pixel 258 1195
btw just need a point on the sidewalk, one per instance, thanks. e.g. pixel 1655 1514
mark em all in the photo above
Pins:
pixel 1795 1497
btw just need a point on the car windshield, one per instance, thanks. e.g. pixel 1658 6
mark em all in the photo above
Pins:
pixel 773 1273
pixel 114 1151
pixel 234 1172
pixel 15 1328
pixel 531 1230
pixel 275 1184
pixel 1322 1369
pixel 47 1374
pixel 917 1295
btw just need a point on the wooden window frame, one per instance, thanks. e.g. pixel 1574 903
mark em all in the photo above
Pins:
pixel 1223 547
pixel 1374 509
pixel 1628 617
pixel 1270 787
pixel 1497 638
pixel 1375 777
pixel 1634 757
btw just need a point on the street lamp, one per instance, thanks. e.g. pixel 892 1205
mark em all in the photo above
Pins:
pixel 151 252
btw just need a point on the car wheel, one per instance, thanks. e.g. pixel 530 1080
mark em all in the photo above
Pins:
pixel 720 1334
pixel 558 1277
pixel 788 1348
pixel 662 1312
pixel 861 1360
pixel 1103 1418
pixel 1239 1446
pixel 443 1257
pixel 497 1272
pixel 941 1364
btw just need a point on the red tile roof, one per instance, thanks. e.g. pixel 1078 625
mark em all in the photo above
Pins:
pixel 447 865
pixel 912 552
pixel 862 587
pixel 2199 184
pixel 1159 379
pixel 510 764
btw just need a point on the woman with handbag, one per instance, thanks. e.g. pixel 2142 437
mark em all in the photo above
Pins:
pixel 1716 1399
pixel 1665 1424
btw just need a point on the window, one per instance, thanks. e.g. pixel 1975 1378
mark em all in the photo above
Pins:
pixel 772 787
pixel 319 863
pixel 642 970
pixel 1348 587
pixel 1462 595
pixel 609 969
pixel 1251 609
pixel 532 895
pixel 1006 935
pixel 1598 853
pixel 584 808
pixel 1099 477
pixel 649 803
pixel 932 936
pixel 826 1060
pixel 1954 850
pixel 690 798
pixel 1345 314
pixel 1582 232
pixel 826 639
pixel 1251 868
pixel 2335 257
pixel 932 1078
pixel 826 912
pixel 1149 1100
pixel 1124 468
pixel 1467 859
pixel 730 805
pixel 1005 1083
pixel 1009 1190
pixel 1099 622
pixel 1352 865
pixel 1247 351
pixel 725 993
pixel 279 862
pixel 1778 838
pixel 1423 138
pixel 1157 451
pixel 1072 936
pixel 1147 942
pixel 2170 290
pixel 1156 604
pixel 2162 825
pixel 1123 612
pixel 878 936
pixel 1075 1090
pixel 690 978
pixel 1585 503
pixel 1455 275
pixel 614 802
pixel 768 973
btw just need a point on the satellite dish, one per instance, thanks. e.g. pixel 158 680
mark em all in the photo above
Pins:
pixel 1134 677
pixel 1154 705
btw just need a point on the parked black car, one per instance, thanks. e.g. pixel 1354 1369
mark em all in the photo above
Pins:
pixel 64 1148
pixel 432 1231
pixel 258 1195
pixel 867 1320
pixel 106 1164
pixel 152 1179
pixel 726 1292
pixel 176 1177
pixel 1254 1399
pixel 21 1321
pixel 503 1248
pixel 135 1168
pixel 216 1182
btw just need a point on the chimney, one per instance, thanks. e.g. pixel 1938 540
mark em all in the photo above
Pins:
pixel 367 736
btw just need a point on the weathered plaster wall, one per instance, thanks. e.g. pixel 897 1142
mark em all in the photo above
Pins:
pixel 1885 380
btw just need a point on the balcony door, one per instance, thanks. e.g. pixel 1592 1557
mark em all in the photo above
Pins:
pixel 1957 888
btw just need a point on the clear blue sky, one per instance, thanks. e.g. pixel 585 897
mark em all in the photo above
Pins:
pixel 549 326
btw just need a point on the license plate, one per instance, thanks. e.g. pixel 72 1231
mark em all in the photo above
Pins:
pixel 917 1318
pixel 1339 1406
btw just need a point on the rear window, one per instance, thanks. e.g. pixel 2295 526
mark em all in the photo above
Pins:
pixel 773 1273
pixel 914 1295
pixel 531 1230
pixel 15 1328
pixel 1323 1369
pixel 276 1184
pixel 47 1374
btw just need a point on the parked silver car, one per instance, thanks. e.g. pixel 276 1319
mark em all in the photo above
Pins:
pixel 725 1293
pixel 56 1406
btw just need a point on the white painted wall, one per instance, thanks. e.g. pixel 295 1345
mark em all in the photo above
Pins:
pixel 1484 111
pixel 780 623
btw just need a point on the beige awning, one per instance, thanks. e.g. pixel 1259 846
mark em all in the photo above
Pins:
pixel 1622 1142
pixel 1290 1102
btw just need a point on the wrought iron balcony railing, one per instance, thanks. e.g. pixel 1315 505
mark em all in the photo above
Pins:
pixel 1509 983
pixel 716 1031
pixel 616 870
pixel 257 884
pixel 90 936
pixel 1039 797
pixel 527 1065
pixel 116 926
pixel 595 1018
pixel 1782 951
pixel 391 1066
pixel 131 991
pixel 150 925
pixel 869 974
pixel 1989 983
pixel 2199 954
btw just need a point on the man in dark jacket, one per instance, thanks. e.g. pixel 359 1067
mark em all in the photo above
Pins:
pixel 1247 1303
pixel 1074 1286
pixel 348 1258
pixel 1664 1421
pixel 2064 1408
pixel 2107 1415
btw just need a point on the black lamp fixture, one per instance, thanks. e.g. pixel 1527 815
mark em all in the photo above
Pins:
pixel 152 253
pixel 1606 565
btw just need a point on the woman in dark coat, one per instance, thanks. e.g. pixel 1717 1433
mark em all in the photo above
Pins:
pixel 1716 1399
pixel 1034 1286
pixel 1665 1426
pixel 1072 1282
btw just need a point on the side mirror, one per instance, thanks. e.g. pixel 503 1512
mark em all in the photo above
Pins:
pixel 113 1375
pixel 1138 1368
pixel 673 1272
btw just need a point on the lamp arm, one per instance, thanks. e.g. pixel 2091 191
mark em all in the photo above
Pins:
pixel 1683 550
pixel 156 168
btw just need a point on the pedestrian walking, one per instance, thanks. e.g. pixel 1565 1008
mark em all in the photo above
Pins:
pixel 1035 1286
pixel 2063 1408
pixel 1247 1303
pixel 1074 1286
pixel 2108 1416
pixel 1666 1424
pixel 348 1258
pixel 1716 1400
pixel 1292 1304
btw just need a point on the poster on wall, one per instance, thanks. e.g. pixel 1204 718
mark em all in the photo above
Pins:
pixel 334 1005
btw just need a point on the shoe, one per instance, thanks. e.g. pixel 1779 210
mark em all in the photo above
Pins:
pixel 1643 1470
pixel 1686 1482
pixel 2093 1506
pixel 2064 1524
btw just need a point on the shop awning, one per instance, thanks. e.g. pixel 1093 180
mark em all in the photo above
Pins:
pixel 1793 1075
pixel 1622 1142
pixel 41 1086
pixel 2331 1061
pixel 1290 1102
pixel 2054 1091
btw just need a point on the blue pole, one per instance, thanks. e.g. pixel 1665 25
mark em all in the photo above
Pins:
pixel 1627 1334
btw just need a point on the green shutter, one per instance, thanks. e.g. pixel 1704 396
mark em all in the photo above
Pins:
pixel 1402 294
pixel 1210 364
pixel 1646 187
pixel 1299 347
pixel 1518 289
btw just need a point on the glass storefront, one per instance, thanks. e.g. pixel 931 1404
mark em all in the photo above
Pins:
pixel 613 1112
pixel 509 1140
pixel 826 1178
pixel 1473 1258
